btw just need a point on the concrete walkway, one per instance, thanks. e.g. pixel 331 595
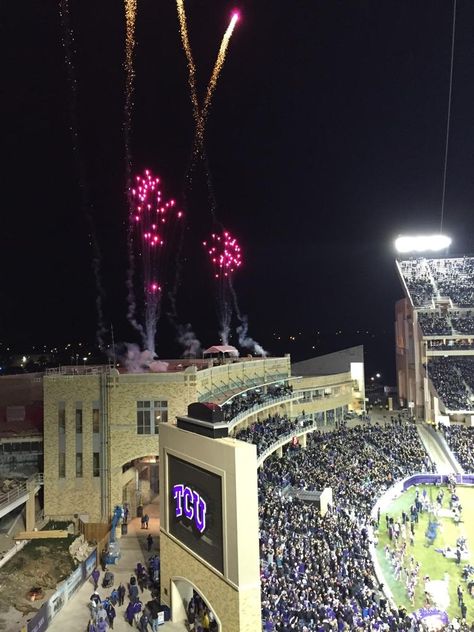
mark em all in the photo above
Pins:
pixel 438 450
pixel 74 616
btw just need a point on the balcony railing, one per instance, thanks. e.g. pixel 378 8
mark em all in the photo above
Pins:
pixel 290 397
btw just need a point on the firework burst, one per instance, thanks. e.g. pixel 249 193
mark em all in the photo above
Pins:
pixel 225 255
pixel 152 225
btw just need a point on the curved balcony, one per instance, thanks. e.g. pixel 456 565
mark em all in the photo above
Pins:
pixel 284 439
pixel 256 408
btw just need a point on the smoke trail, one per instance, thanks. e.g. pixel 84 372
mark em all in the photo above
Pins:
pixel 136 361
pixel 187 338
pixel 246 341
pixel 130 20
pixel 224 310
pixel 67 41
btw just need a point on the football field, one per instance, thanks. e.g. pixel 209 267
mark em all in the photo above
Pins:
pixel 432 562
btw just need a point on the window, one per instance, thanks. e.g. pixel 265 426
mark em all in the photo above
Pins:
pixel 78 420
pixel 143 420
pixel 95 420
pixel 161 414
pixel 78 464
pixel 62 465
pixel 61 417
pixel 150 415
pixel 96 464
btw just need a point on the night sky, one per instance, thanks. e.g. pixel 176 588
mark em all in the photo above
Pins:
pixel 325 140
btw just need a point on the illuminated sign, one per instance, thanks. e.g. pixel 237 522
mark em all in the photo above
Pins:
pixel 190 504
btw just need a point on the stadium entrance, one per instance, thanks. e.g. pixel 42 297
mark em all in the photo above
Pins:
pixel 192 606
pixel 140 485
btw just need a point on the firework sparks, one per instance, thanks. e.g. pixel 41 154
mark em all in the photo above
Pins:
pixel 130 19
pixel 152 219
pixel 201 124
pixel 183 28
pixel 68 43
pixel 224 252
pixel 225 255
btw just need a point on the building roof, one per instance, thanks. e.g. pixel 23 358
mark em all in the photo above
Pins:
pixel 329 364
pixel 21 421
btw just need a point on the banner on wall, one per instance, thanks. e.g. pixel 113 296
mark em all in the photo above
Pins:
pixel 57 601
pixel 39 623
pixel 74 581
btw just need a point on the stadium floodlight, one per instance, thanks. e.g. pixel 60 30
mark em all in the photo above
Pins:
pixel 422 243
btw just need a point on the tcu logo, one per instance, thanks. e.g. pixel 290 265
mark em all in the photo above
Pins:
pixel 190 503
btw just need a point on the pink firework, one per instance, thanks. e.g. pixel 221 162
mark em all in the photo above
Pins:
pixel 152 223
pixel 224 252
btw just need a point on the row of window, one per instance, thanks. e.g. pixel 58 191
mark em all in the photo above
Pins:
pixel 79 419
pixel 79 464
pixel 149 415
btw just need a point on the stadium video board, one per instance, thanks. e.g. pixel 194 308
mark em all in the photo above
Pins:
pixel 195 510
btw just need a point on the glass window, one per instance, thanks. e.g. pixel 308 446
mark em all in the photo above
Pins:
pixel 62 419
pixel 78 420
pixel 95 420
pixel 62 465
pixel 143 422
pixel 96 464
pixel 150 415
pixel 79 464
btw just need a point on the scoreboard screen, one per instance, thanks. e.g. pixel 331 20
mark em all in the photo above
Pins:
pixel 195 510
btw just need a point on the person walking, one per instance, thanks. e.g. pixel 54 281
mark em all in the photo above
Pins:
pixel 133 590
pixel 95 577
pixel 121 594
pixel 147 520
pixel 102 625
pixel 143 622
pixel 129 612
pixel 91 626
pixel 149 541
pixel 154 621
pixel 111 614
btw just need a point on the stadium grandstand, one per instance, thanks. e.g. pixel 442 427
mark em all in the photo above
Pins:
pixel 434 328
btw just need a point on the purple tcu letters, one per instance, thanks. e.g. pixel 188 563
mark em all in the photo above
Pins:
pixel 190 503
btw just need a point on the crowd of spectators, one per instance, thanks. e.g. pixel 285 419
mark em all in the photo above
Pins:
pixel 465 365
pixel 267 432
pixel 451 345
pixel 454 277
pixel 257 396
pixel 432 324
pixel 461 441
pixel 418 281
pixel 462 322
pixel 317 571
pixel 428 278
pixel 449 383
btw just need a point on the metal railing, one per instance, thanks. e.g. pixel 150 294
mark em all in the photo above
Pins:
pixel 23 489
pixel 286 439
pixel 259 407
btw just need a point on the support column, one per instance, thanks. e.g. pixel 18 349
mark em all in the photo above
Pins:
pixel 30 517
pixel 302 440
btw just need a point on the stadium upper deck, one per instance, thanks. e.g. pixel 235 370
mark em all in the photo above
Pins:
pixel 435 336
pixel 430 281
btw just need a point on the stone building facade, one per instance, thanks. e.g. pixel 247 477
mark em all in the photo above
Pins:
pixel 101 426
